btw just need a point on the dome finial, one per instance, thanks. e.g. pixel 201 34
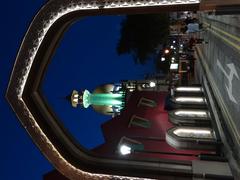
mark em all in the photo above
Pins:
pixel 74 98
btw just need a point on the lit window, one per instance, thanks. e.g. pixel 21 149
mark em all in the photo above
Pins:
pixel 191 113
pixel 147 102
pixel 204 133
pixel 137 121
pixel 185 137
pixel 190 99
pixel 174 66
pixel 188 89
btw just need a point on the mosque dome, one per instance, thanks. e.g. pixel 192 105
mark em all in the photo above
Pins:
pixel 106 88
pixel 106 110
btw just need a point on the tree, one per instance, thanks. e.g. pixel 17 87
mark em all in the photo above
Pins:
pixel 142 34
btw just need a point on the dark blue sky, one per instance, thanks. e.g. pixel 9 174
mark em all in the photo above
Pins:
pixel 20 158
pixel 86 58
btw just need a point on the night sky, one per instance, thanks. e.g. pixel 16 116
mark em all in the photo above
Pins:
pixel 85 58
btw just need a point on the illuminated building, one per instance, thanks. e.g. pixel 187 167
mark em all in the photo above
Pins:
pixel 141 129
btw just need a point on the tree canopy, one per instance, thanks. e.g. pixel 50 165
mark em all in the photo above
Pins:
pixel 141 34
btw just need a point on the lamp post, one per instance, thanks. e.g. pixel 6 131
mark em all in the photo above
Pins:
pixel 125 150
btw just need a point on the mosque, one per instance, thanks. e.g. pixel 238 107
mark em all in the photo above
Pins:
pixel 147 122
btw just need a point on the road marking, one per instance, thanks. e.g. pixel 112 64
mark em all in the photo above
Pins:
pixel 223 32
pixel 226 40
pixel 230 76
pixel 229 120
pixel 236 46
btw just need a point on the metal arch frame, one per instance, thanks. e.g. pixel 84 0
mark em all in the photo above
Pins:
pixel 24 93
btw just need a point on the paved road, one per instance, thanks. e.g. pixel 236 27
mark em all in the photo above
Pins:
pixel 223 60
pixel 223 54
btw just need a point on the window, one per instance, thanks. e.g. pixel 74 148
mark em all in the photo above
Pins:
pixel 187 132
pixel 188 89
pixel 147 102
pixel 137 121
pixel 192 113
pixel 193 100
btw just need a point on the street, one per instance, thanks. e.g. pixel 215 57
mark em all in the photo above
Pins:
pixel 221 54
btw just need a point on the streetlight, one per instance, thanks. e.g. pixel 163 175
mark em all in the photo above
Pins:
pixel 166 51
pixel 152 84
pixel 125 150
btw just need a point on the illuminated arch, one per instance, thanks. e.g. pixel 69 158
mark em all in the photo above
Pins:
pixel 27 101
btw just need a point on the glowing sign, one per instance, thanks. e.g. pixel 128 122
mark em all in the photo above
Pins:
pixel 174 66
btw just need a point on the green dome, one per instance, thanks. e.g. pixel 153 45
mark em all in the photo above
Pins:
pixel 103 99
